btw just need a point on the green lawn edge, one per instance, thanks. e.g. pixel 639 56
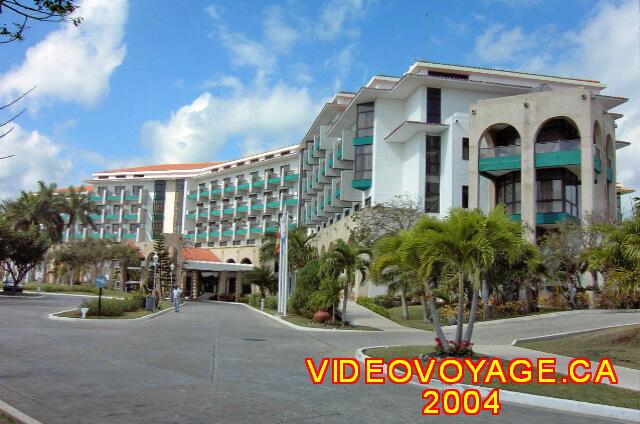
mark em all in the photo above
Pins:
pixel 593 393
pixel 305 322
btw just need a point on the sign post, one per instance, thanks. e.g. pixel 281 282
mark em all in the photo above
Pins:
pixel 101 282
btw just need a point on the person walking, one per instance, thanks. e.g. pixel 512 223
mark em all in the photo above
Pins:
pixel 176 298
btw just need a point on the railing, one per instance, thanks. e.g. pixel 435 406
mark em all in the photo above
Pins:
pixel 558 146
pixel 499 151
pixel 596 152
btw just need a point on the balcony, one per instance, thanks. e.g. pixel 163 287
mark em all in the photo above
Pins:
pixel 203 214
pixel 257 207
pixel 203 193
pixel 229 189
pixel 597 162
pixel 290 202
pixel 191 235
pixel 193 195
pixel 112 217
pixel 227 232
pixel 242 231
pixel 228 211
pixel 291 176
pixel 257 184
pixel 95 217
pixel 216 191
pixel 130 216
pixel 243 185
pixel 112 197
pixel 242 208
pixel 609 171
pixel 500 158
pixel 191 215
pixel 546 218
pixel 132 197
pixel 214 233
pixel 256 230
pixel 129 236
pixel 215 213
pixel 273 203
pixel 202 234
pixel 95 198
pixel 110 236
pixel 362 184
pixel 273 180
pixel 557 153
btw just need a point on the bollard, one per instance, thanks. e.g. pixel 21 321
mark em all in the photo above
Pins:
pixel 262 303
pixel 84 311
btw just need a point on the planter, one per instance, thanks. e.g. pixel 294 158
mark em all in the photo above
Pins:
pixel 322 316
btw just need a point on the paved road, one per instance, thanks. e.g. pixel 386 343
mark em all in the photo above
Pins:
pixel 211 363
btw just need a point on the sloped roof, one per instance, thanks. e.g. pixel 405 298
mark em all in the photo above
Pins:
pixel 164 167
pixel 198 254
pixel 86 188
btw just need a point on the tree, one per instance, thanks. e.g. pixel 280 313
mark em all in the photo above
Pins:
pixel 44 208
pixel 20 12
pixel 78 207
pixel 328 295
pixel 387 218
pixel 349 258
pixel 300 250
pixel 163 269
pixel 308 282
pixel 388 267
pixel 20 250
pixel 264 278
pixel 618 258
pixel 466 245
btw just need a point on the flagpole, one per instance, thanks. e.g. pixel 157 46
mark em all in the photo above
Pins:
pixel 285 268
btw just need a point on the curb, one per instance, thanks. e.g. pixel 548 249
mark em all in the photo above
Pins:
pixel 15 414
pixel 38 296
pixel 44 293
pixel 144 318
pixel 568 333
pixel 564 405
pixel 295 326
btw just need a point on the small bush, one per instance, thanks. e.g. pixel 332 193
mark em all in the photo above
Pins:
pixel 307 282
pixel 254 299
pixel 368 303
pixel 270 302
pixel 114 307
pixel 386 301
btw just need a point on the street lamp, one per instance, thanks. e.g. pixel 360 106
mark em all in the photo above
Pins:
pixel 155 267
pixel 171 267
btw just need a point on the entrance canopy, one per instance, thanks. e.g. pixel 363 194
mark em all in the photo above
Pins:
pixel 199 259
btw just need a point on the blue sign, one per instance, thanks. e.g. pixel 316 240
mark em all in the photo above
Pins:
pixel 101 281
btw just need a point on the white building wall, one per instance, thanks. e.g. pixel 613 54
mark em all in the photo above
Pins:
pixel 388 157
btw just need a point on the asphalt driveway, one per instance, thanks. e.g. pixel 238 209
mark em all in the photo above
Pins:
pixel 211 363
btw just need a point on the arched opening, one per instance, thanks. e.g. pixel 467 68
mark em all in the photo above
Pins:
pixel 557 135
pixel 499 162
pixel 246 261
pixel 231 261
pixel 610 154
pixel 558 164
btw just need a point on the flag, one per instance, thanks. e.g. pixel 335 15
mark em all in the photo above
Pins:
pixel 278 241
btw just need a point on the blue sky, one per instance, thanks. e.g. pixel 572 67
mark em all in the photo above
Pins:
pixel 143 82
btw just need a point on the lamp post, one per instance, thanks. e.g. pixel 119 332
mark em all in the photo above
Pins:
pixel 171 267
pixel 155 268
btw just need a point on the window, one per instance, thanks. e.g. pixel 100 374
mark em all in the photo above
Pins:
pixel 433 106
pixel 364 162
pixel 159 189
pixel 465 196
pixel 432 185
pixel 508 190
pixel 119 189
pixel 364 123
pixel 557 191
pixel 465 148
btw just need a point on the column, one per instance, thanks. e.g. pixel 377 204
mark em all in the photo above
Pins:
pixel 238 285
pixel 528 183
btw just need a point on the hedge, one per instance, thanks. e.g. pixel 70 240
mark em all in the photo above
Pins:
pixel 368 303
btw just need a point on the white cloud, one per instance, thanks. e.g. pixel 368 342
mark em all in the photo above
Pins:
pixel 36 158
pixel 72 64
pixel 257 118
pixel 278 33
pixel 498 44
pixel 341 63
pixel 336 15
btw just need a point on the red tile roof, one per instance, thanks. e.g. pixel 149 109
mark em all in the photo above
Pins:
pixel 198 254
pixel 164 167
pixel 86 189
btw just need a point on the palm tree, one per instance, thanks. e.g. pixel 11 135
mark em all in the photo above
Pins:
pixel 467 245
pixel 78 207
pixel 262 277
pixel 42 209
pixel 388 267
pixel 349 258
pixel 300 250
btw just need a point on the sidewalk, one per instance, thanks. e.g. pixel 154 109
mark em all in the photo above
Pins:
pixel 359 315
pixel 628 378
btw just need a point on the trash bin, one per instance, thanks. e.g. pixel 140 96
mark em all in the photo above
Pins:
pixel 150 303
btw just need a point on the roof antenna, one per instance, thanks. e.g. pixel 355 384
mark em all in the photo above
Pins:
pixel 426 36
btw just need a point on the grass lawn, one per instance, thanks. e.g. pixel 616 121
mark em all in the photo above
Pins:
pixel 127 315
pixel 621 345
pixel 305 322
pixel 594 393
pixel 415 316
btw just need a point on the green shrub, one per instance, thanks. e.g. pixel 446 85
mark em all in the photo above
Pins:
pixel 270 302
pixel 368 303
pixel 307 282
pixel 114 307
pixel 386 301
pixel 254 299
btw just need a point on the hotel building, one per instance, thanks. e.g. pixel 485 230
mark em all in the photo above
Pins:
pixel 450 136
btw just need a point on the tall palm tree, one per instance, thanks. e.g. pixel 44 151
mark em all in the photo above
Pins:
pixel 349 258
pixel 78 207
pixel 466 245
